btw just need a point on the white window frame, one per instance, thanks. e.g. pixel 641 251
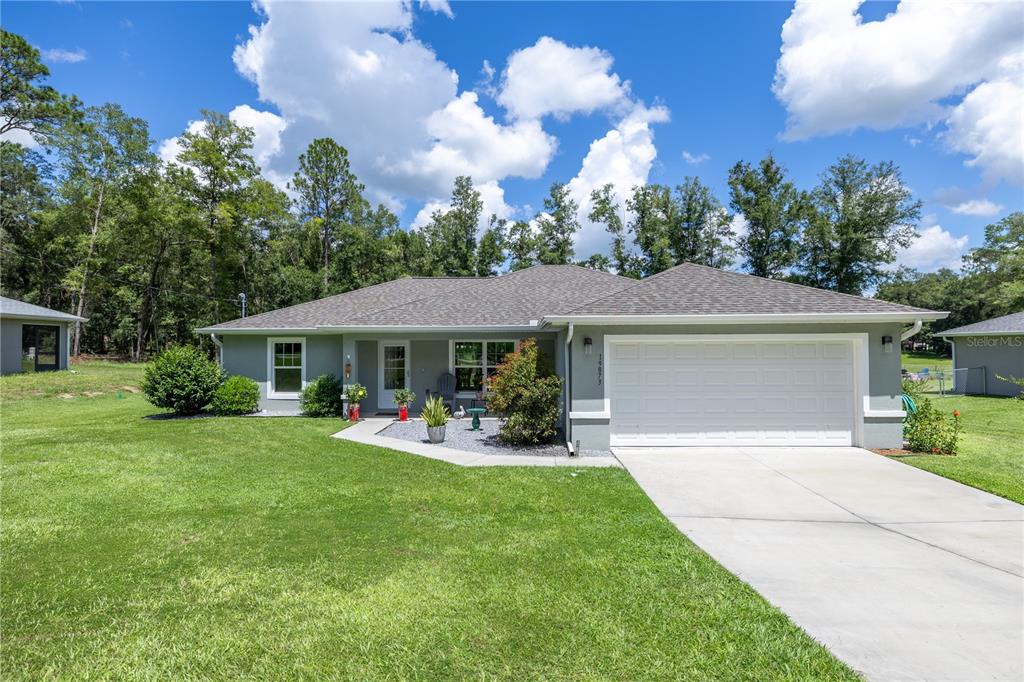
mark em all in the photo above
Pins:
pixel 485 366
pixel 272 393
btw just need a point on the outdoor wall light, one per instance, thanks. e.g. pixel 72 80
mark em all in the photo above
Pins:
pixel 887 344
pixel 588 345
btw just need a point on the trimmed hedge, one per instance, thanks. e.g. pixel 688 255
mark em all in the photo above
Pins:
pixel 182 379
pixel 322 397
pixel 237 395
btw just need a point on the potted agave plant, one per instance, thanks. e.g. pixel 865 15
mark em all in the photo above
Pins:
pixel 435 414
pixel 403 397
pixel 355 393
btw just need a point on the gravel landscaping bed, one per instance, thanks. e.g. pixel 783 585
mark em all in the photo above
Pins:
pixel 485 441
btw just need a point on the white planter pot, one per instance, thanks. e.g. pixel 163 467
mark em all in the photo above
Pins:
pixel 435 434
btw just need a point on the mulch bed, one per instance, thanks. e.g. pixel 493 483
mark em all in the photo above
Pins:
pixel 900 452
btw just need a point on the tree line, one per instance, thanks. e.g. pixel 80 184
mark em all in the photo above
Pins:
pixel 93 222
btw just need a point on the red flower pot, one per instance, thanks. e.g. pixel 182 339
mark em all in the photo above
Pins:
pixel 353 412
pixel 403 413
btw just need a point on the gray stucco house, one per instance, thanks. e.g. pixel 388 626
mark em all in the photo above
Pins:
pixel 983 350
pixel 33 338
pixel 691 356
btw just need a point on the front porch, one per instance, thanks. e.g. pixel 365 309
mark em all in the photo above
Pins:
pixel 386 363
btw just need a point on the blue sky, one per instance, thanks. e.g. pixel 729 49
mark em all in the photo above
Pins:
pixel 616 92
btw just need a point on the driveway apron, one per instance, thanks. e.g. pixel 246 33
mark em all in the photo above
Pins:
pixel 901 573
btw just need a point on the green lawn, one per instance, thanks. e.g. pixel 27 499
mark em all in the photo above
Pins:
pixel 915 362
pixel 261 548
pixel 991 453
pixel 85 379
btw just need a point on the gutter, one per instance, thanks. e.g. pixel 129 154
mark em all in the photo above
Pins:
pixel 742 318
pixel 368 329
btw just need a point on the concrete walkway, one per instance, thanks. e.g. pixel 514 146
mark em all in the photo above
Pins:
pixel 901 573
pixel 367 430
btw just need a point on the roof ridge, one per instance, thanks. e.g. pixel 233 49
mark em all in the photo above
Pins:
pixel 732 273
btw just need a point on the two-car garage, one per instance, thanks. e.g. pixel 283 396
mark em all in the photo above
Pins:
pixel 732 390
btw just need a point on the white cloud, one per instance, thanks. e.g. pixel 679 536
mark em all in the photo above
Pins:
pixel 979 207
pixel 59 56
pixel 171 147
pixel 469 142
pixel 439 6
pixel 622 157
pixel 550 77
pixel 267 128
pixel 839 73
pixel 22 137
pixel 695 158
pixel 492 196
pixel 373 87
pixel 988 125
pixel 396 107
pixel 934 248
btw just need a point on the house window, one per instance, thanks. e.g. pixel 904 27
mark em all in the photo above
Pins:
pixel 473 360
pixel 287 367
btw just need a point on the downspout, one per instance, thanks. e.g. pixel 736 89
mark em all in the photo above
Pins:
pixel 568 391
pixel 220 349
pixel 906 334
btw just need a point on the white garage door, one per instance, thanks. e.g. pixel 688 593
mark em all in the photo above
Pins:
pixel 731 392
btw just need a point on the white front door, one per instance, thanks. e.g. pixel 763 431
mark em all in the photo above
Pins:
pixel 393 373
pixel 731 392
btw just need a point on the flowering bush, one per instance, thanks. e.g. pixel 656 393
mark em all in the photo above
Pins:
pixel 526 391
pixel 931 430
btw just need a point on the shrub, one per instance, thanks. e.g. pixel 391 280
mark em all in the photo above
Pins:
pixel 237 395
pixel 403 396
pixel 931 430
pixel 322 397
pixel 435 412
pixel 528 394
pixel 182 379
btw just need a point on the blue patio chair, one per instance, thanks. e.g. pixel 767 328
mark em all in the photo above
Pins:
pixel 924 373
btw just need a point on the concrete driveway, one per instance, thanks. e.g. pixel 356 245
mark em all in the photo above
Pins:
pixel 901 573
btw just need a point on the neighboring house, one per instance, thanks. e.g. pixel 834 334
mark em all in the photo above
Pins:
pixel 691 356
pixel 985 349
pixel 33 338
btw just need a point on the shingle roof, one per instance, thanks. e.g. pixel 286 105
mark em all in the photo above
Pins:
pixel 10 307
pixel 1007 324
pixel 344 309
pixel 527 296
pixel 518 298
pixel 691 289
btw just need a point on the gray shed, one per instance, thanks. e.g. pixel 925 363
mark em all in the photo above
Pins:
pixel 33 338
pixel 983 351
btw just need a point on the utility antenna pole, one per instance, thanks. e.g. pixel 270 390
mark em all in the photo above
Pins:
pixel 241 297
